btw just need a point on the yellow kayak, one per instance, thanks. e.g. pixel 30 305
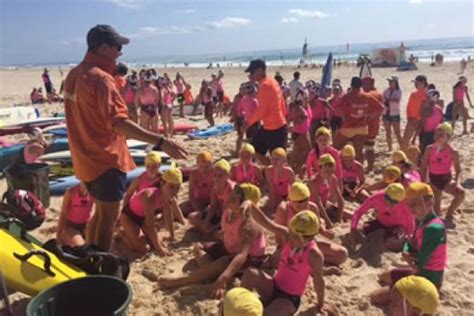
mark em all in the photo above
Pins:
pixel 28 268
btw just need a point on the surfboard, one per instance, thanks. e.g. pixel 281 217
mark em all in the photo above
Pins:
pixel 60 185
pixel 13 115
pixel 27 125
pixel 217 130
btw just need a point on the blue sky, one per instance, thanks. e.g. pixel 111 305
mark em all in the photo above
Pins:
pixel 35 31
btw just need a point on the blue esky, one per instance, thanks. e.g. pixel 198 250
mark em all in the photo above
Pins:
pixel 48 31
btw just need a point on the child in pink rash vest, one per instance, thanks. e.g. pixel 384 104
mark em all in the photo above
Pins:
pixel 393 216
pixel 76 213
pixel 300 114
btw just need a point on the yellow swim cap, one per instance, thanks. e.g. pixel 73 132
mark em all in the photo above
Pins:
pixel 418 189
pixel 223 165
pixel 153 157
pixel 279 152
pixel 348 151
pixel 326 159
pixel 419 292
pixel 391 174
pixel 173 175
pixel 399 156
pixel 305 223
pixel 242 302
pixel 251 192
pixel 322 131
pixel 446 127
pixel 247 148
pixel 395 191
pixel 204 156
pixel 298 192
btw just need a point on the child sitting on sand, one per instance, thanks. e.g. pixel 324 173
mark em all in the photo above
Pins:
pixel 409 170
pixel 245 170
pixel 298 200
pixel 243 245
pixel 391 174
pixel 138 216
pixel 325 191
pixel 279 177
pixel 438 161
pixel 323 146
pixel 200 184
pixel 300 258
pixel 393 217
pixel 76 212
pixel 208 221
pixel 353 178
pixel 147 179
pixel 413 153
pixel 426 251
pixel 300 114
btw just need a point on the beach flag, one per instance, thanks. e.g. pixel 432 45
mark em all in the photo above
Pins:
pixel 326 80
pixel 365 70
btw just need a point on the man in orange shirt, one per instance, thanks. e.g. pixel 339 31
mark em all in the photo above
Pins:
pixel 273 132
pixel 415 101
pixel 357 109
pixel 98 125
pixel 368 85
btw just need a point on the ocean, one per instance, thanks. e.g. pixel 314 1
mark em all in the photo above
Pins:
pixel 453 49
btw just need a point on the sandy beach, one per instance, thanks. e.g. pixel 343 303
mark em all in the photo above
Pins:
pixel 348 292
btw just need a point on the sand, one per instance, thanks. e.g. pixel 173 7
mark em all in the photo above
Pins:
pixel 348 292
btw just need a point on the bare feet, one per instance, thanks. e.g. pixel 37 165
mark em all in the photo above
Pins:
pixel 167 282
pixel 449 222
pixel 332 271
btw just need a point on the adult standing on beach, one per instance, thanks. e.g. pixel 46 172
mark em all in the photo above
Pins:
pixel 48 84
pixel 358 110
pixel 295 85
pixel 417 97
pixel 271 112
pixel 98 125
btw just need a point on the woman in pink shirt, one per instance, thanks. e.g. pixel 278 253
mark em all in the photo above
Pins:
pixel 167 98
pixel 300 114
pixel 431 117
pixel 147 99
pixel 393 217
pixel 460 90
pixel 180 84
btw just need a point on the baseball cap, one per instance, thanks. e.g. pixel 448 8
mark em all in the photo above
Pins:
pixel 104 34
pixel 256 64
pixel 356 82
pixel 421 78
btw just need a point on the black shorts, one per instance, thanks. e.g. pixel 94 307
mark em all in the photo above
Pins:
pixel 294 299
pixel 109 186
pixel 79 227
pixel 267 140
pixel 220 96
pixel 391 118
pixel 216 220
pixel 238 123
pixel 252 130
pixel 426 139
pixel 208 109
pixel 336 123
pixel 215 99
pixel 180 98
pixel 440 181
pixel 134 217
pixel 48 87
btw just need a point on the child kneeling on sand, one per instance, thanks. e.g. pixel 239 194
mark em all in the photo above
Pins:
pixel 243 245
pixel 138 216
pixel 300 258
pixel 76 212
pixel 393 217
pixel 426 252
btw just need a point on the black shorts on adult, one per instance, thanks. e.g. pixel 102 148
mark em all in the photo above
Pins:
pixel 220 96
pixel 109 186
pixel 48 87
pixel 267 140
pixel 252 130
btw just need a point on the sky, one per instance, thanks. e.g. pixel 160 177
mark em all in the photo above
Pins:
pixel 54 31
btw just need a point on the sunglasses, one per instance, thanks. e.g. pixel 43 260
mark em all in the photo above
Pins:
pixel 117 46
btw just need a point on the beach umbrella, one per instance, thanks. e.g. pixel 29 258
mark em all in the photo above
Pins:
pixel 365 69
pixel 327 72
